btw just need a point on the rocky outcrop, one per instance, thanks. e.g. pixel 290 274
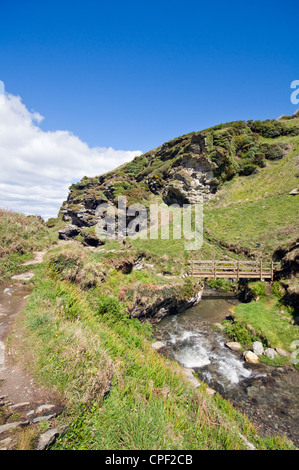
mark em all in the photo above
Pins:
pixel 162 307
pixel 192 182
pixel 289 258
pixel 288 274
pixel 68 232
pixel 87 237
pixel 185 170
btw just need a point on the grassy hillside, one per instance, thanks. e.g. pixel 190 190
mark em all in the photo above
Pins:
pixel 257 209
pixel 242 171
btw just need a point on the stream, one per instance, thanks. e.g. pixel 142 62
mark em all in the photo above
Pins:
pixel 268 395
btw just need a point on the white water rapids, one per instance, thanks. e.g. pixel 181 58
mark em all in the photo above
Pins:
pixel 198 350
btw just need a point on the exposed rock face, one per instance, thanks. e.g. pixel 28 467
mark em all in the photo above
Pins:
pixel 191 182
pixel 185 170
pixel 72 231
pixel 91 239
pixel 289 257
pixel 82 217
pixel 186 177
pixel 164 307
pixel 68 232
pixel 198 144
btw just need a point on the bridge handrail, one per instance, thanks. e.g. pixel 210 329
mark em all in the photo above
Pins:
pixel 235 268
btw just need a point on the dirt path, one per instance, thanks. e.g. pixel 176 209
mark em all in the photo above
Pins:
pixel 23 404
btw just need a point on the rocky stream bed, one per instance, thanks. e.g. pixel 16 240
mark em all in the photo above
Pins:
pixel 268 395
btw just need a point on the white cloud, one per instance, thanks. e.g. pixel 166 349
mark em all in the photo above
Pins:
pixel 37 167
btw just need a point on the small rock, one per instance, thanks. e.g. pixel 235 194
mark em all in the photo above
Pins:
pixel 7 291
pixel 281 352
pixel 19 405
pixel 258 348
pixel 158 345
pixel 46 439
pixel 271 353
pixel 294 192
pixel 233 345
pixel 248 444
pixel 10 426
pixel 4 443
pixel 43 418
pixel 210 391
pixel 190 377
pixel 251 357
pixel 219 326
pixel 42 408
pixel 23 277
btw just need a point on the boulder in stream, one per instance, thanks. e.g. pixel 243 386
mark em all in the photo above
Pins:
pixel 251 357
pixel 233 345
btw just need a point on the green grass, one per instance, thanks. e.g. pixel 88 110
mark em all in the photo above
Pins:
pixel 270 321
pixel 256 210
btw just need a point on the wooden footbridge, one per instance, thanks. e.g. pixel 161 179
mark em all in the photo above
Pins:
pixel 214 269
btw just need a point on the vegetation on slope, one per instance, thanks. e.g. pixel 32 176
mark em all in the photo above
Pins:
pixel 20 236
pixel 257 215
pixel 121 394
pixel 255 167
pixel 236 148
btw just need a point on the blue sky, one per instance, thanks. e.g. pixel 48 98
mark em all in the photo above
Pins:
pixel 89 85
pixel 132 75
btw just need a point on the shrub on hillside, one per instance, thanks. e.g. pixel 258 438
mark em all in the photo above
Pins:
pixel 74 267
pixel 247 170
pixel 272 151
